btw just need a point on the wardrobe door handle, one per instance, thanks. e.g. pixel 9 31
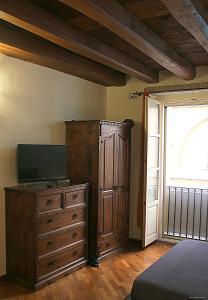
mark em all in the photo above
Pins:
pixel 75 196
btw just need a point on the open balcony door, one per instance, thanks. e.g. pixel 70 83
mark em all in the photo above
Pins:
pixel 152 170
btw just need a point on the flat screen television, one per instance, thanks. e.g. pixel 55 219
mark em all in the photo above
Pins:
pixel 41 162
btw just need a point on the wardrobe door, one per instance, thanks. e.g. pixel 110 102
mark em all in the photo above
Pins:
pixel 106 184
pixel 107 211
pixel 107 161
pixel 122 175
pixel 120 214
pixel 122 158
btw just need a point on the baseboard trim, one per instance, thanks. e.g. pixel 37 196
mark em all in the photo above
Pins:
pixel 135 243
pixel 168 241
pixel 2 277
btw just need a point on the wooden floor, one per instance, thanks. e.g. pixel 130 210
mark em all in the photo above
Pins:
pixel 112 280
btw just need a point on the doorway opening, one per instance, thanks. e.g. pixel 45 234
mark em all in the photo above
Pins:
pixel 175 166
pixel 185 197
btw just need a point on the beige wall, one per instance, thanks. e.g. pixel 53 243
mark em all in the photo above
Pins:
pixel 34 103
pixel 119 107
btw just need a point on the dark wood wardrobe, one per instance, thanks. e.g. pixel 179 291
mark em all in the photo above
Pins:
pixel 99 153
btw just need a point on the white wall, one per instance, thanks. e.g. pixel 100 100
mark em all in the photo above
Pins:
pixel 34 103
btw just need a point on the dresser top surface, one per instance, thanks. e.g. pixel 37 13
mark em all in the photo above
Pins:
pixel 42 188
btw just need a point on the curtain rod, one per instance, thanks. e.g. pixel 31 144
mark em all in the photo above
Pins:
pixel 136 94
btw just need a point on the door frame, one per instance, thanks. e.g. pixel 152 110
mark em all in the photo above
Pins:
pixel 143 140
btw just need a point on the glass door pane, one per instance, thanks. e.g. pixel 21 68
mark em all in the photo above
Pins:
pixel 154 118
pixel 153 152
pixel 152 188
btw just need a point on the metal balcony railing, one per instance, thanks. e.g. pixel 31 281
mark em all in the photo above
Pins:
pixel 186 213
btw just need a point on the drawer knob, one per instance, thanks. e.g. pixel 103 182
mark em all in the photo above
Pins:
pixel 51 263
pixel 75 253
pixel 49 202
pixel 74 216
pixel 50 243
pixel 49 220
pixel 74 235
pixel 75 196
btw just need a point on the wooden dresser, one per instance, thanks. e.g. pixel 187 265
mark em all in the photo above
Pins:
pixel 46 233
pixel 99 153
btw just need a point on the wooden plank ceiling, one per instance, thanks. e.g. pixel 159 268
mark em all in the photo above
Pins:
pixel 108 41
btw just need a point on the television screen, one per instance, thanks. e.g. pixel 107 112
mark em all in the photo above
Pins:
pixel 41 162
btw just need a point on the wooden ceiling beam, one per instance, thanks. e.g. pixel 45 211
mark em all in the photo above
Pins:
pixel 42 23
pixel 25 47
pixel 193 16
pixel 119 20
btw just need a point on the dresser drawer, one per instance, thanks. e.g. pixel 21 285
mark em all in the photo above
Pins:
pixel 111 244
pixel 74 198
pixel 56 241
pixel 47 223
pixel 50 264
pixel 50 202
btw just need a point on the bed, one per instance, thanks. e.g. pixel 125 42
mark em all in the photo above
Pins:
pixel 180 274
